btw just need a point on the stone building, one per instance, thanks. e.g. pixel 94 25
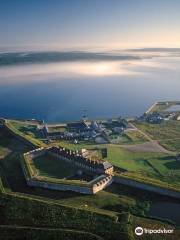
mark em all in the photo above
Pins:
pixel 92 165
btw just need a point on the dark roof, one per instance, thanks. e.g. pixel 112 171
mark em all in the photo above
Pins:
pixel 78 125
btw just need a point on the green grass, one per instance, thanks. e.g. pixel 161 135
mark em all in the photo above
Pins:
pixel 129 160
pixel 131 137
pixel 165 164
pixel 26 128
pixel 157 166
pixel 57 129
pixel 167 133
pixel 136 137
pixel 79 146
pixel 120 139
pixel 52 167
pixel 132 161
pixel 32 172
pixel 171 144
pixel 14 126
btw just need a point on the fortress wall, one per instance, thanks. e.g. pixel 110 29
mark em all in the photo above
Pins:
pixel 22 139
pixel 61 187
pixel 93 187
pixel 103 183
pixel 54 186
pixel 36 153
pixel 148 187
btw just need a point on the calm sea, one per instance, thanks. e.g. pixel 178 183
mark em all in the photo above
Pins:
pixel 60 92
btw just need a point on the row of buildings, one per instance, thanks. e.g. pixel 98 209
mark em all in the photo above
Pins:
pixel 96 131
pixel 157 117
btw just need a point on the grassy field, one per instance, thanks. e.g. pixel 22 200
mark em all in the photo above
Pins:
pixel 159 166
pixel 136 137
pixel 132 161
pixel 52 167
pixel 57 129
pixel 167 133
pixel 128 137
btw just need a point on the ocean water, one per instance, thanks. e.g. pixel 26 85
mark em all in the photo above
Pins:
pixel 61 91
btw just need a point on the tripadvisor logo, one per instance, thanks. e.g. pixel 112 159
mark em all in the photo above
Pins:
pixel 139 231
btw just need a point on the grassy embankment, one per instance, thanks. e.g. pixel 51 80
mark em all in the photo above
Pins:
pixel 26 131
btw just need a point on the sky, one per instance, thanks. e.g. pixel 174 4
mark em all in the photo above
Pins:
pixel 89 24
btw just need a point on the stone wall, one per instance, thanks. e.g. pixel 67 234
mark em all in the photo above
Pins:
pixel 102 183
pixel 148 187
pixel 36 152
pixel 91 189
pixel 60 186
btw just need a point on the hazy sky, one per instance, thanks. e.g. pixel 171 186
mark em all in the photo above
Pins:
pixel 86 24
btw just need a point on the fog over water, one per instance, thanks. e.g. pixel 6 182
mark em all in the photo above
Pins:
pixel 60 90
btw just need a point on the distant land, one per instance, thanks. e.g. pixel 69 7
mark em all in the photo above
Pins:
pixel 47 57
pixel 30 57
